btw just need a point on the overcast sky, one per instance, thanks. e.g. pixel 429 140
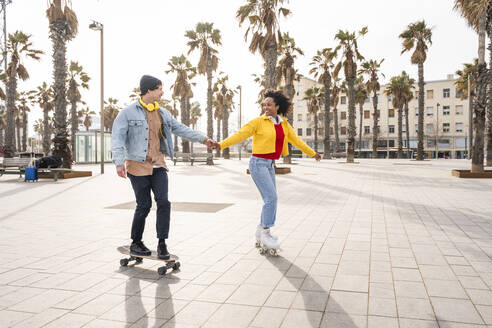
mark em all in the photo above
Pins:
pixel 141 36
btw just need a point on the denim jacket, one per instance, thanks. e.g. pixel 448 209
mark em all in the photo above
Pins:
pixel 129 139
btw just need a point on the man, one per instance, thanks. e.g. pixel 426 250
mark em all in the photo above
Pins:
pixel 140 138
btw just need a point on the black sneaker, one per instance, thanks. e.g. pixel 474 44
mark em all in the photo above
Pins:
pixel 138 248
pixel 162 252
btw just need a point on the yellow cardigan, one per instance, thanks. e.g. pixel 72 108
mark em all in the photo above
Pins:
pixel 263 131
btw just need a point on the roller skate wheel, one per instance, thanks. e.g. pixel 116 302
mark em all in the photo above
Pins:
pixel 257 244
pixel 124 262
pixel 262 250
pixel 162 271
pixel 176 266
pixel 272 252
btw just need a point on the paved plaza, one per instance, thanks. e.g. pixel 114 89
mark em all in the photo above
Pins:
pixel 378 244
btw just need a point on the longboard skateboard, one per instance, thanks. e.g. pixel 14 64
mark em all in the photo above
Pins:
pixel 172 263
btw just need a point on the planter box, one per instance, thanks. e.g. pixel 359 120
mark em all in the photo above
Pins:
pixel 468 174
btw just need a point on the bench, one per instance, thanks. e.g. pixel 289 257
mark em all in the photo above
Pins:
pixel 14 165
pixel 202 157
pixel 181 157
pixel 59 171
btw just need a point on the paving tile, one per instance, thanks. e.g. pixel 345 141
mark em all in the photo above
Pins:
pixel 196 313
pixel 299 318
pixel 308 300
pixel 10 318
pixel 405 274
pixel 232 315
pixel 343 320
pixel 384 307
pixel 381 322
pixel 71 320
pixel 347 302
pixel 445 288
pixel 414 323
pixel 250 295
pixel 281 299
pixel 480 296
pixel 346 282
pixel 414 308
pixel 410 289
pixel 455 310
pixel 269 317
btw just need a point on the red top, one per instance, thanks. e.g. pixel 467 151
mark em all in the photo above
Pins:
pixel 279 142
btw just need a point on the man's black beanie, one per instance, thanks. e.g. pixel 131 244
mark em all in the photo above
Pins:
pixel 148 82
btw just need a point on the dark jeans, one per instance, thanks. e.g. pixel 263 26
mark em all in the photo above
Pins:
pixel 142 185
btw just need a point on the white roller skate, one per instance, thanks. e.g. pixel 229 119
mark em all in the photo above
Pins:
pixel 266 242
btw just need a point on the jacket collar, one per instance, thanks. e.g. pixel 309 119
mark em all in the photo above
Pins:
pixel 266 117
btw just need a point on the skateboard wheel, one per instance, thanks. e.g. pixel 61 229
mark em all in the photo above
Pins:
pixel 176 266
pixel 262 250
pixel 257 244
pixel 138 260
pixel 272 252
pixel 162 271
pixel 124 262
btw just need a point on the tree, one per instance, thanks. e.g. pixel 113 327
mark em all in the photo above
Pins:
pixel 3 124
pixel 111 110
pixel 182 89
pixel 337 87
pixel 63 28
pixel 372 68
pixel 361 95
pixel 44 97
pixel 86 113
pixel 195 113
pixel 322 67
pixel 25 99
pixel 18 46
pixel 407 96
pixel 204 37
pixel 350 56
pixel 218 113
pixel 224 97
pixel 418 36
pixel 266 36
pixel 314 100
pixel 76 78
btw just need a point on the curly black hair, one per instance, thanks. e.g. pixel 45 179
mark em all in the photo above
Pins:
pixel 282 101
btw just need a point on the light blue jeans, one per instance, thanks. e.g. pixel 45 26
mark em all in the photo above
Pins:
pixel 263 174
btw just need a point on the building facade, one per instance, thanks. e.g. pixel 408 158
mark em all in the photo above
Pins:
pixel 446 121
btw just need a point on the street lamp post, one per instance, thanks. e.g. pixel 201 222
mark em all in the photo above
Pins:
pixel 96 26
pixel 240 105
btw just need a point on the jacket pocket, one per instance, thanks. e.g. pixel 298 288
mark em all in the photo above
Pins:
pixel 135 123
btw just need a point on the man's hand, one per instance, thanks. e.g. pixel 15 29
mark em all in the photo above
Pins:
pixel 317 157
pixel 121 171
pixel 210 143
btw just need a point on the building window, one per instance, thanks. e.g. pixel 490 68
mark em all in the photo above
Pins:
pixel 403 128
pixel 459 94
pixel 429 128
pixel 343 115
pixel 308 131
pixel 430 94
pixel 299 117
pixel 445 127
pixel 367 129
pixel 391 112
pixel 299 132
pixel 391 128
pixel 445 110
pixel 430 111
pixel 367 114
pixel 459 109
pixel 446 93
pixel 459 127
pixel 309 117
pixel 343 100
pixel 343 130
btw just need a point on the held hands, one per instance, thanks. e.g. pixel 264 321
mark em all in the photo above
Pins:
pixel 317 157
pixel 211 144
pixel 121 171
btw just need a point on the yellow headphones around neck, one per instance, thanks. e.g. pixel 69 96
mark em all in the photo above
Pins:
pixel 150 107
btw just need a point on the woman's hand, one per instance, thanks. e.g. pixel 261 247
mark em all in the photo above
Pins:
pixel 317 157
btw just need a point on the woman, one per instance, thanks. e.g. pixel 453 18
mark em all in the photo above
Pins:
pixel 271 132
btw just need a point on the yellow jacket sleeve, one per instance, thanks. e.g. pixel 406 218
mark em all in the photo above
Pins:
pixel 297 141
pixel 244 133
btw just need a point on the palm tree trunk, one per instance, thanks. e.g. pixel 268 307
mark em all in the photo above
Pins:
pixel 375 130
pixel 351 119
pixel 326 140
pixel 10 148
pixel 210 123
pixel 46 133
pixel 271 56
pixel 25 128
pixel 185 145
pixel 73 114
pixel 361 112
pixel 17 132
pixel 176 148
pixel 420 134
pixel 470 127
pixel 489 103
pixel 335 128
pixel 61 143
pixel 400 135
pixel 217 151
pixel 407 131
pixel 2 137
pixel 225 129
pixel 289 91
pixel 315 131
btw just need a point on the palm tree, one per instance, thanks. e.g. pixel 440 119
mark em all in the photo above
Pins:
pixel 44 97
pixel 418 36
pixel 86 113
pixel 63 28
pixel 372 68
pixel 478 14
pixel 195 113
pixel 218 113
pixel 224 97
pixel 287 73
pixel 182 89
pixel 337 87
pixel 111 110
pixel 260 80
pixel 204 37
pixel 322 66
pixel 407 97
pixel 348 43
pixel 76 78
pixel 18 46
pixel 361 95
pixel 26 99
pixel 263 24
pixel 314 100
pixel 174 112
pixel 3 124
